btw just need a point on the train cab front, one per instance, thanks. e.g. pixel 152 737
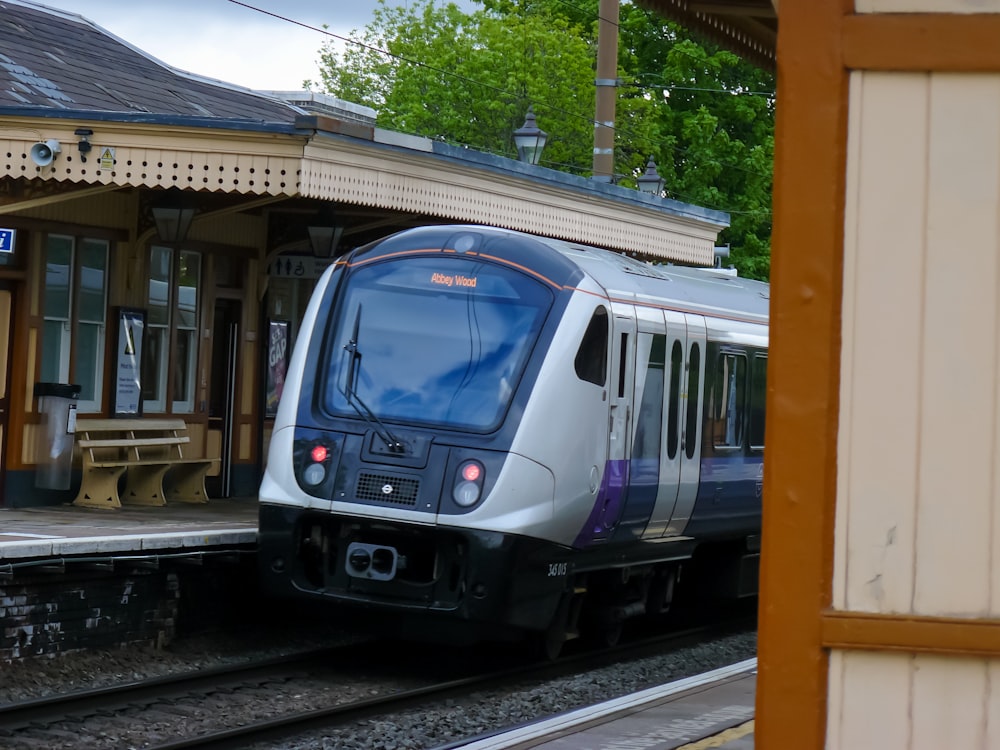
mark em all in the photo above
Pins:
pixel 413 365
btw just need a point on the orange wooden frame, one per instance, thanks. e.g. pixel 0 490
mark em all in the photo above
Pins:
pixel 819 43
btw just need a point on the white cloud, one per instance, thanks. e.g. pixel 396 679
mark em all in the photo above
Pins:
pixel 230 42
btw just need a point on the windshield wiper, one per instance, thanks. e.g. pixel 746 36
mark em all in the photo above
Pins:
pixel 353 365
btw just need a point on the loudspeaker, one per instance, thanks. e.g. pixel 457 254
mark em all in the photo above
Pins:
pixel 43 153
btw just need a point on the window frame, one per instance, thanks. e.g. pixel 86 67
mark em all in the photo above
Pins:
pixel 160 358
pixel 591 360
pixel 753 409
pixel 69 348
pixel 741 383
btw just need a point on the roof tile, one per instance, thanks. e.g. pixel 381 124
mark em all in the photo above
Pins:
pixel 55 59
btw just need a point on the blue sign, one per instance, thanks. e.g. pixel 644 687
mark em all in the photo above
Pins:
pixel 7 240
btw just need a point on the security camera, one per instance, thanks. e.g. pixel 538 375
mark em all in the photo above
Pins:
pixel 43 153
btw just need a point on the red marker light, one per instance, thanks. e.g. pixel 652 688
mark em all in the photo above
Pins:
pixel 319 454
pixel 471 472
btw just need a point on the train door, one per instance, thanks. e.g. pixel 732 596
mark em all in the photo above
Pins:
pixel 673 463
pixel 615 482
pixel 222 399
pixel 644 480
pixel 692 406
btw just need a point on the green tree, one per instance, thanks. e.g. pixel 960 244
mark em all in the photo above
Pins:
pixel 703 114
pixel 717 141
pixel 435 71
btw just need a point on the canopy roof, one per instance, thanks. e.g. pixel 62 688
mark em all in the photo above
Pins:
pixel 747 27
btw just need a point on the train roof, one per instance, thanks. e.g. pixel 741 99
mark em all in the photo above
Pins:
pixel 706 291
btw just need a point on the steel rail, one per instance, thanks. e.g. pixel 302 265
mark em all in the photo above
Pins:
pixel 348 713
pixel 84 703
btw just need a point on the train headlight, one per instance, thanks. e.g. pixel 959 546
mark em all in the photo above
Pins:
pixel 468 484
pixel 314 473
pixel 316 458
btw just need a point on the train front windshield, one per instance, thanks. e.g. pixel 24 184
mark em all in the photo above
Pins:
pixel 437 341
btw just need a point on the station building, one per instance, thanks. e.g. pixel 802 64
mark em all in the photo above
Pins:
pixel 160 234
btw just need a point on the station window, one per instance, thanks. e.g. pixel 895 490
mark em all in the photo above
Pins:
pixel 592 357
pixel 758 397
pixel 728 406
pixel 75 315
pixel 170 352
pixel 287 299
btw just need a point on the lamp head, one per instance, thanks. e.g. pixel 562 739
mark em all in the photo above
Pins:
pixel 650 182
pixel 325 231
pixel 530 139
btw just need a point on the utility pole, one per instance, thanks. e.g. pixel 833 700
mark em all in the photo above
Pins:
pixel 607 83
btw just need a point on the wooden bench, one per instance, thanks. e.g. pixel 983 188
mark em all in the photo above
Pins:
pixel 149 452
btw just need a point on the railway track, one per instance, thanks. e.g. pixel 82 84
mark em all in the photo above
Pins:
pixel 383 690
pixel 83 703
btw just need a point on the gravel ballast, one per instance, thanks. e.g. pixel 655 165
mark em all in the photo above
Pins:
pixel 482 712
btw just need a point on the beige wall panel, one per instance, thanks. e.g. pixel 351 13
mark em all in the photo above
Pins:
pixel 245 446
pixel 869 700
pixel 213 449
pixel 196 431
pixel 28 443
pixel 238 230
pixel 111 210
pixel 927 6
pixel 959 382
pixel 249 370
pixel 881 350
pixel 404 182
pixel 949 706
pixel 252 282
pixel 264 164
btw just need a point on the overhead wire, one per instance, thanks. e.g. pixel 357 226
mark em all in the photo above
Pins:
pixel 418 63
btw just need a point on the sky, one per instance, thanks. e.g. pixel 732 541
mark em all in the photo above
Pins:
pixel 230 41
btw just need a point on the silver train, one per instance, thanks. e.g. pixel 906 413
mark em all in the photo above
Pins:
pixel 518 436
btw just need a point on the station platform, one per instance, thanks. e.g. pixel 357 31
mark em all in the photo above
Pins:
pixel 58 531
pixel 711 710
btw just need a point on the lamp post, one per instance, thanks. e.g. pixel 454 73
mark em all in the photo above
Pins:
pixel 324 233
pixel 530 139
pixel 650 181
pixel 173 214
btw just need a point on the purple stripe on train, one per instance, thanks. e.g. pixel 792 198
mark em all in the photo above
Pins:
pixel 729 491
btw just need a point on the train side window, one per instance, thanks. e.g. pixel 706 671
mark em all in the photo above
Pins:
pixel 674 398
pixel 592 356
pixel 622 366
pixel 727 410
pixel 758 397
pixel 691 427
pixel 649 420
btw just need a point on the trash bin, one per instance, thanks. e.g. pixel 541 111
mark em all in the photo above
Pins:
pixel 54 447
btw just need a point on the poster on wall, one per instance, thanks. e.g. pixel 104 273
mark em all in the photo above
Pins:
pixel 127 395
pixel 277 364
